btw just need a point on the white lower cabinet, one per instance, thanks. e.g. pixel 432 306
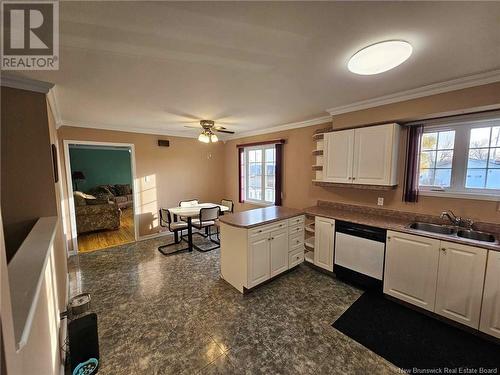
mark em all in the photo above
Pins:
pixel 324 230
pixel 411 267
pixel 446 278
pixel 490 312
pixel 460 282
pixel 279 252
pixel 259 269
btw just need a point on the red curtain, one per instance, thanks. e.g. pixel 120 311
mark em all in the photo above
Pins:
pixel 277 174
pixel 241 182
pixel 410 193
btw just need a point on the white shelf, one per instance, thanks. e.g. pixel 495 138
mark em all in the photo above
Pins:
pixel 310 228
pixel 309 243
pixel 309 256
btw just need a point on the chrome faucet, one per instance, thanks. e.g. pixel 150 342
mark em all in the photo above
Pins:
pixel 457 220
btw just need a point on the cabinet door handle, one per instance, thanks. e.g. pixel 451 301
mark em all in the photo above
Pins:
pixel 354 178
pixel 443 249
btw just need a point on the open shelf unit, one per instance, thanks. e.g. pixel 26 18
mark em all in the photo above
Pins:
pixel 309 239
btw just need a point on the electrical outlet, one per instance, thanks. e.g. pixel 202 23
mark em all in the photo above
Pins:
pixel 380 201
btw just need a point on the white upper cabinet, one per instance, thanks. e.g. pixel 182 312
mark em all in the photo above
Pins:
pixel 411 268
pixel 460 282
pixel 490 313
pixel 338 156
pixel 375 155
pixel 365 156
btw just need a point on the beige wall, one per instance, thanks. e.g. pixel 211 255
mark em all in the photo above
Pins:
pixel 27 190
pixel 164 175
pixel 472 99
pixel 299 191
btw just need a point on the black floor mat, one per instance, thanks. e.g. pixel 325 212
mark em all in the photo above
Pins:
pixel 410 339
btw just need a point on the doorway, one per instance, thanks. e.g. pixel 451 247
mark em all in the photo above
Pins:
pixel 101 194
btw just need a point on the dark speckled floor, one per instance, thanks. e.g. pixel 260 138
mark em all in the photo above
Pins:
pixel 174 315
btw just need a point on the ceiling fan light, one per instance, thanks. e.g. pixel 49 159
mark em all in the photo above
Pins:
pixel 213 138
pixel 204 138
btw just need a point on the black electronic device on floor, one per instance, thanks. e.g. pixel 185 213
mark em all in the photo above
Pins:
pixel 84 344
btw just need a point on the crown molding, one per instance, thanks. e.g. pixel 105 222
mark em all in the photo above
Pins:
pixel 23 83
pixel 279 128
pixel 140 130
pixel 52 99
pixel 433 89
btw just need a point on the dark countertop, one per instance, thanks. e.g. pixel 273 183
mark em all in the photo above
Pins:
pixel 259 216
pixel 391 222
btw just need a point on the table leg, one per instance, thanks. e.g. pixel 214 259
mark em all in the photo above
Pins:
pixel 190 234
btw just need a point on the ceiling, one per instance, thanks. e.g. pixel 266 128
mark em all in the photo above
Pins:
pixel 157 66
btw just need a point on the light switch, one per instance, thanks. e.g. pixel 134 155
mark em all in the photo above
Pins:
pixel 380 201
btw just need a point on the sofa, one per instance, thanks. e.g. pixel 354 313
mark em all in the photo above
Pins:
pixel 121 194
pixel 95 214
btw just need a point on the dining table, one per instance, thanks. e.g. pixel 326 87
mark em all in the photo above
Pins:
pixel 187 213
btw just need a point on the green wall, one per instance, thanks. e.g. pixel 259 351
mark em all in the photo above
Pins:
pixel 101 166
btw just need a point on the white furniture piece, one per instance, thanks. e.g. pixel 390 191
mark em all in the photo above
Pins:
pixel 490 312
pixel 439 276
pixel 460 282
pixel 250 256
pixel 192 211
pixel 366 156
pixel 411 266
pixel 323 242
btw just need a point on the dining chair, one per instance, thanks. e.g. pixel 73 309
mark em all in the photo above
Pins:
pixel 188 203
pixel 229 204
pixel 174 226
pixel 207 219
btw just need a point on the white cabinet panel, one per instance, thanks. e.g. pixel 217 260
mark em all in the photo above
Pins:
pixel 460 282
pixel 373 154
pixel 338 156
pixel 279 252
pixel 258 261
pixel 490 313
pixel 411 267
pixel 323 242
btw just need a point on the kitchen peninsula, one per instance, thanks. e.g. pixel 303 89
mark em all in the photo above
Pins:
pixel 259 244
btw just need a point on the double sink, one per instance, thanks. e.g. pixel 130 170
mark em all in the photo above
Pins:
pixel 453 231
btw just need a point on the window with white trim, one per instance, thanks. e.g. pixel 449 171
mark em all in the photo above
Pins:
pixel 260 168
pixel 461 157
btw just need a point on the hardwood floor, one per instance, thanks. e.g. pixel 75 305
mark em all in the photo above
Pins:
pixel 102 239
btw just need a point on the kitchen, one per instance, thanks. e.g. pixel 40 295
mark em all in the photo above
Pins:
pixel 442 266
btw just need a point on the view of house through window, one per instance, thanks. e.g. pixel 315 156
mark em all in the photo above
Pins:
pixel 260 171
pixel 465 159
pixel 483 162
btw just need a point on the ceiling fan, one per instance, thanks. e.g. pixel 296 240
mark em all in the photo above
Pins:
pixel 208 131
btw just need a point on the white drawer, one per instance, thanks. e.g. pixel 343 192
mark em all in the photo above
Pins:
pixel 296 240
pixel 296 257
pixel 296 220
pixel 263 229
pixel 295 229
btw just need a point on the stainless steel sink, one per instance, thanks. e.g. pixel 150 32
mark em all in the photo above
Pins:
pixel 433 228
pixel 476 235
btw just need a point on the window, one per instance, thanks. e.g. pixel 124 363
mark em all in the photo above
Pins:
pixel 483 159
pixel 461 157
pixel 436 158
pixel 260 167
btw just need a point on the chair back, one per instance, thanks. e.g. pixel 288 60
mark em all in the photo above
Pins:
pixel 209 213
pixel 228 203
pixel 165 217
pixel 189 203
